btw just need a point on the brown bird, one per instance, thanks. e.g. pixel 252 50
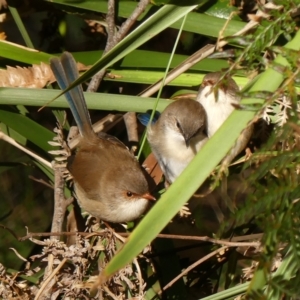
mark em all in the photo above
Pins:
pixel 109 182
pixel 219 99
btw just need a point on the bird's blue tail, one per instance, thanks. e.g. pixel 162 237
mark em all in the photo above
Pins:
pixel 144 118
pixel 65 72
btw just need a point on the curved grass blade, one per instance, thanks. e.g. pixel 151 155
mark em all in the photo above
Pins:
pixel 26 127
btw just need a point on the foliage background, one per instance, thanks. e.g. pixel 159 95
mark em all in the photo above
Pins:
pixel 261 196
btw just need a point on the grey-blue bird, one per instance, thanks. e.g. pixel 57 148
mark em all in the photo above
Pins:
pixel 177 136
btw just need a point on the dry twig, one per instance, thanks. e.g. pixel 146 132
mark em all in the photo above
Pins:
pixel 191 267
pixel 60 203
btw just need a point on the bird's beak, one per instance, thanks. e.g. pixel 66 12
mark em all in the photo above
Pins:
pixel 148 197
pixel 187 141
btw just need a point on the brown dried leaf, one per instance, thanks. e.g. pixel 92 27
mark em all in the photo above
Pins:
pixel 152 167
pixel 36 76
pixel 2 34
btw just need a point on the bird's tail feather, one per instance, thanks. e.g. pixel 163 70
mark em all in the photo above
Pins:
pixel 65 72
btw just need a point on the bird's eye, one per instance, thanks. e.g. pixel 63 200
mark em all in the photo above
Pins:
pixel 178 125
pixel 129 194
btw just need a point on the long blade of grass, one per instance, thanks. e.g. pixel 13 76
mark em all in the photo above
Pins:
pixel 16 16
pixel 23 54
pixel 38 97
pixel 196 22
